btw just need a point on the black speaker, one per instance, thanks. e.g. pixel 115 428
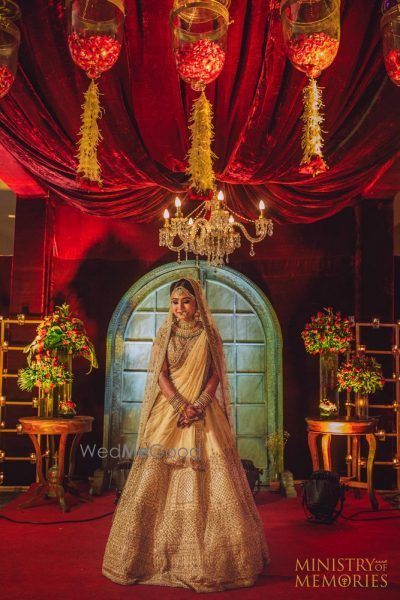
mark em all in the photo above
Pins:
pixel 323 497
pixel 253 475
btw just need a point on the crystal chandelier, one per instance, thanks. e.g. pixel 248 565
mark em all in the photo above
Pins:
pixel 212 230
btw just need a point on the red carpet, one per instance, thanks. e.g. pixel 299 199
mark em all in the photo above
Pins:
pixel 63 561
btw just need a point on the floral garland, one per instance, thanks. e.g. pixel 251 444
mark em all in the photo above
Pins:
pixel 361 374
pixel 327 331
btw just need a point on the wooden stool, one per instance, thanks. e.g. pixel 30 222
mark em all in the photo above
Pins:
pixel 349 427
pixel 37 426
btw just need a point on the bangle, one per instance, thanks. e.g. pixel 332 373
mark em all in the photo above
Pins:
pixel 203 401
pixel 177 402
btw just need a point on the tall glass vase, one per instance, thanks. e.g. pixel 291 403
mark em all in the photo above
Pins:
pixel 47 405
pixel 328 392
pixel 65 391
pixel 361 406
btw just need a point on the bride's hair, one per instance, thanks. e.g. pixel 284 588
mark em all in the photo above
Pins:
pixel 182 283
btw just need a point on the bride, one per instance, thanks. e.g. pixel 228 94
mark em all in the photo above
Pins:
pixel 186 516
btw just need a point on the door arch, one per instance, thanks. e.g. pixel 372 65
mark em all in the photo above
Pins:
pixel 252 344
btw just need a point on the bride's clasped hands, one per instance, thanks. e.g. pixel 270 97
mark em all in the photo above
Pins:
pixel 189 415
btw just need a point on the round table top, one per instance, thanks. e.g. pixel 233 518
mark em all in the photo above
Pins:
pixel 44 425
pixel 341 425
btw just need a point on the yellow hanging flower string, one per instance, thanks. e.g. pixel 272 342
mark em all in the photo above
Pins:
pixel 200 156
pixel 312 141
pixel 90 136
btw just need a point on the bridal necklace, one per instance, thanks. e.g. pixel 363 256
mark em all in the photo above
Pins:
pixel 186 325
pixel 187 329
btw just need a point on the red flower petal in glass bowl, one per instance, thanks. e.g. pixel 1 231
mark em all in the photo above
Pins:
pixel 93 53
pixel 314 167
pixel 200 61
pixel 6 80
pixel 392 64
pixel 312 53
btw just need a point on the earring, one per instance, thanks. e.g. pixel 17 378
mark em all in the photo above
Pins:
pixel 197 316
pixel 174 319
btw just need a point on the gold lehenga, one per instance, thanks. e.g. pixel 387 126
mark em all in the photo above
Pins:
pixel 186 516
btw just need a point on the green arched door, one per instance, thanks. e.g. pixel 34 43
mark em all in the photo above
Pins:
pixel 252 346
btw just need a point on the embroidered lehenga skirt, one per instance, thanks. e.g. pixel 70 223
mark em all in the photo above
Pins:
pixel 187 516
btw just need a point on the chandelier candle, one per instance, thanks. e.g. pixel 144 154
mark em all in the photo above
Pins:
pixel 211 230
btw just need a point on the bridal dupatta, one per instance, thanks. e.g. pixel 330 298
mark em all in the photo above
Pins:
pixel 158 354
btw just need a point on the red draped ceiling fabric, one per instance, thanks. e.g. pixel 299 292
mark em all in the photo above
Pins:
pixel 257 101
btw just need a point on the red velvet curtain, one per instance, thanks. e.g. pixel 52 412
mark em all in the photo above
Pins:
pixel 257 102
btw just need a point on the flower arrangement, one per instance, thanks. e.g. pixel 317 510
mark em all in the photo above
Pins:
pixel 66 407
pixel 60 337
pixel 327 332
pixel 327 408
pixel 64 333
pixel 361 374
pixel 45 372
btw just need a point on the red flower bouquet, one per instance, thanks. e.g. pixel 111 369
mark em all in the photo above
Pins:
pixel 361 374
pixel 328 331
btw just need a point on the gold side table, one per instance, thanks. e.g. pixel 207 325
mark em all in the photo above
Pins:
pixel 37 426
pixel 355 428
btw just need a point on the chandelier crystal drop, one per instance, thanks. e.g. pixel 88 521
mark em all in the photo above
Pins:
pixel 212 230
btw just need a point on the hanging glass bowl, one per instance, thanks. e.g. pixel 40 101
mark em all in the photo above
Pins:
pixel 311 33
pixel 9 44
pixel 199 36
pixel 199 33
pixel 390 28
pixel 95 33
